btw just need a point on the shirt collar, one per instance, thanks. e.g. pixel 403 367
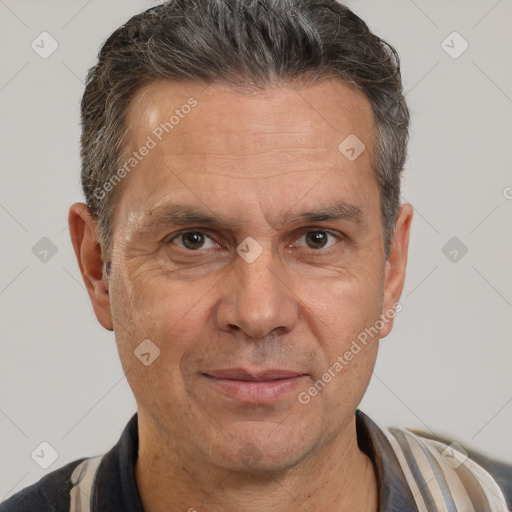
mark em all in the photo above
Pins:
pixel 116 485
pixel 394 492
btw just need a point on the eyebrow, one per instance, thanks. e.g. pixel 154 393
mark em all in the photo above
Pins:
pixel 179 214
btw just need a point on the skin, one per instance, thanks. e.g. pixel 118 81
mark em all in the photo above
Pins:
pixel 247 158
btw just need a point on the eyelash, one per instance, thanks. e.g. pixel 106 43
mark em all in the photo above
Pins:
pixel 338 236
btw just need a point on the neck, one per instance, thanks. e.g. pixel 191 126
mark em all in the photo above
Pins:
pixel 337 477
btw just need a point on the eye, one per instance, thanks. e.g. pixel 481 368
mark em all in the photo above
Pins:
pixel 193 240
pixel 319 239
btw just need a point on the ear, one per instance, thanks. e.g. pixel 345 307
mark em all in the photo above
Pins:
pixel 83 231
pixel 396 265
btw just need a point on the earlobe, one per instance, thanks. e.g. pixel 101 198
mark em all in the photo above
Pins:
pixel 83 232
pixel 396 265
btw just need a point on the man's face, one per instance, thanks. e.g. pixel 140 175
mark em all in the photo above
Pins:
pixel 243 334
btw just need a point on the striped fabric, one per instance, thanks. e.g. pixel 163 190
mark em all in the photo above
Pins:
pixel 415 473
pixel 442 478
pixel 83 478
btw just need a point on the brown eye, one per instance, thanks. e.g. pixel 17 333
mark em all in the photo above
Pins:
pixel 316 239
pixel 192 240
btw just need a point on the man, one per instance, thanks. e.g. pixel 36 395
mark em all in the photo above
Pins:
pixel 242 236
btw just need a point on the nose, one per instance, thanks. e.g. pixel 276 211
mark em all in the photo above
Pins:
pixel 257 299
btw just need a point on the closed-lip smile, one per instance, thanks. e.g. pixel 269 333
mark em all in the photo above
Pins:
pixel 256 387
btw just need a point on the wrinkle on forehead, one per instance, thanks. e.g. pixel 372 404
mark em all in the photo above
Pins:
pixel 239 124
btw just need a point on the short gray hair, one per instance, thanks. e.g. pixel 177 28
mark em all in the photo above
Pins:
pixel 246 43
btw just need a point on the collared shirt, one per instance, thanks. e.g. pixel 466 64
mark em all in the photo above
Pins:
pixel 115 487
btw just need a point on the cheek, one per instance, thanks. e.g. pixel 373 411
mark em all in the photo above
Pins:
pixel 342 318
pixel 342 315
pixel 148 306
pixel 148 309
pixel 342 307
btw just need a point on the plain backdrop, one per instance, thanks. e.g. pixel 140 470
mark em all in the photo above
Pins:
pixel 446 365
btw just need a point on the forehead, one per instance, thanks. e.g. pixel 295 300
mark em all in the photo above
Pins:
pixel 241 118
pixel 215 144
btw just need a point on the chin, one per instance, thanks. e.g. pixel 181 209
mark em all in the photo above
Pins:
pixel 258 451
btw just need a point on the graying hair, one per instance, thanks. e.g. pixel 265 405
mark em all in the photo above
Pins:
pixel 245 43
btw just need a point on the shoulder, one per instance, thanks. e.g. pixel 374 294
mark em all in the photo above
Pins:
pixel 457 454
pixel 49 494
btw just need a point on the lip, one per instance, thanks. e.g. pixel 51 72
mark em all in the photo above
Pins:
pixel 255 387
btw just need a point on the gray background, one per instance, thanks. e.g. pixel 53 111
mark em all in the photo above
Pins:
pixel 446 365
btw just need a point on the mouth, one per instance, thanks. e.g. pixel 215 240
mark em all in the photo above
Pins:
pixel 255 387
